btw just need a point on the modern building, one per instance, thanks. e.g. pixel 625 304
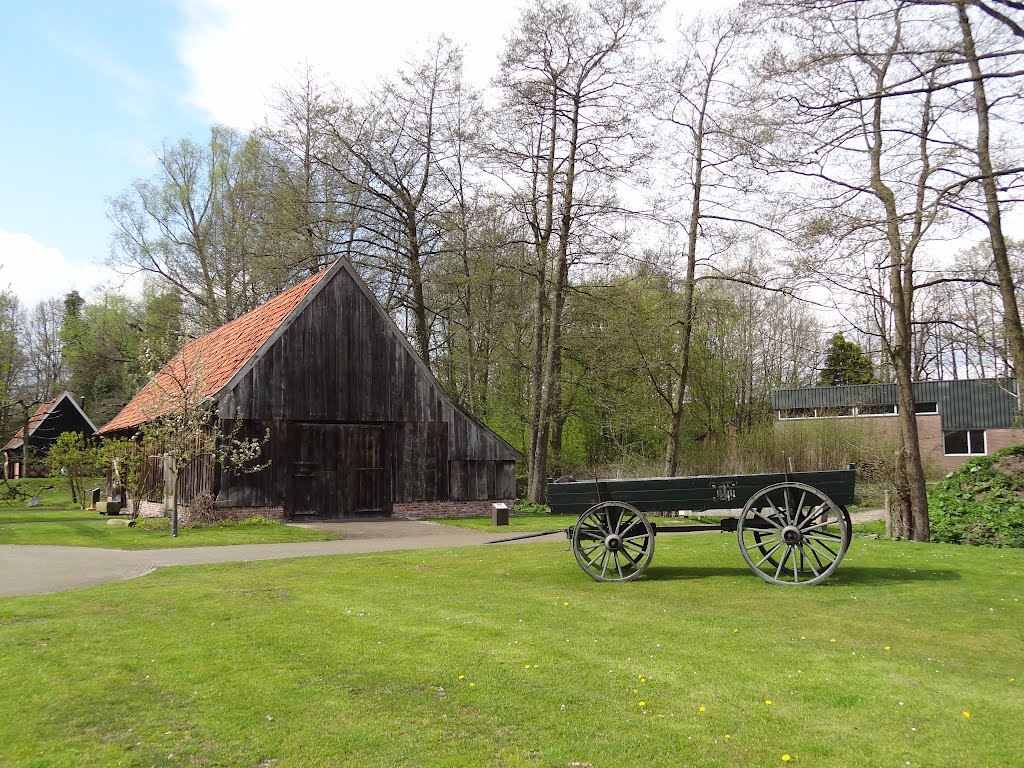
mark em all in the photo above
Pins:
pixel 956 420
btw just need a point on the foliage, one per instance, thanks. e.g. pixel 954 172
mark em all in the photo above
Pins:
pixel 74 457
pixel 238 655
pixel 845 363
pixel 982 502
pixel 128 463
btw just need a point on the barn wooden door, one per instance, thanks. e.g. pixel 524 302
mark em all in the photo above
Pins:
pixel 365 463
pixel 339 471
pixel 314 476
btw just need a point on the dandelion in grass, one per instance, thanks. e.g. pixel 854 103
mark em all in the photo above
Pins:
pixel 965 713
pixel 735 631
pixel 727 737
pixel 636 690
pixel 700 709
pixel 888 647
pixel 462 677
pixel 527 666
pixel 832 640
pixel 642 704
pixel 768 702
pixel 803 637
pixel 472 685
pixel 786 758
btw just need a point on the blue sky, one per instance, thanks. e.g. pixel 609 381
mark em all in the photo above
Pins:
pixel 89 90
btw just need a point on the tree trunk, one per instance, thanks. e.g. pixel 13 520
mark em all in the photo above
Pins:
pixel 1011 309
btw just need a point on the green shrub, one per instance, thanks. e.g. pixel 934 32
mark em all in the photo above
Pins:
pixel 524 507
pixel 982 502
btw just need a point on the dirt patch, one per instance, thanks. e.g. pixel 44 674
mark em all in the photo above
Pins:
pixel 1011 466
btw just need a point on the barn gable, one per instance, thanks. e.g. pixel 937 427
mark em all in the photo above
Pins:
pixel 52 419
pixel 358 425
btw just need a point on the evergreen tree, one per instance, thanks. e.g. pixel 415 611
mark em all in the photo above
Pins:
pixel 846 363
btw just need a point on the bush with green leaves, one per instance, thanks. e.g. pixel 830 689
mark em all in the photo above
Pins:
pixel 982 502
pixel 75 457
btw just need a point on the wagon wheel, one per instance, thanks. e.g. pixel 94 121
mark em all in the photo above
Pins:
pixel 613 541
pixel 793 534
pixel 764 537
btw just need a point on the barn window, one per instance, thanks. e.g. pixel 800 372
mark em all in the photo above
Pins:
pixel 926 407
pixel 969 442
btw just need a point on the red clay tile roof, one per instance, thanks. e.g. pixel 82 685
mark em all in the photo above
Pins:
pixel 34 421
pixel 208 363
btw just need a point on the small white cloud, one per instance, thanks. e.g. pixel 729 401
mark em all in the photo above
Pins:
pixel 33 271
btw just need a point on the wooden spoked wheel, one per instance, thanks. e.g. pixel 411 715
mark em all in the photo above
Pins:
pixel 613 541
pixel 793 534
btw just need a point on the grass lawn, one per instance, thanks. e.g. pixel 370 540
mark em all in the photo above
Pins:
pixel 510 656
pixel 96 533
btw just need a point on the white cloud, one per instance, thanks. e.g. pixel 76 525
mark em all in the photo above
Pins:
pixel 34 271
pixel 237 51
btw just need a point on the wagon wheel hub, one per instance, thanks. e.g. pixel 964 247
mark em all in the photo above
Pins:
pixel 792 535
pixel 613 542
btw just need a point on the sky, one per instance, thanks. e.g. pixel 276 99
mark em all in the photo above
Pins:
pixel 91 91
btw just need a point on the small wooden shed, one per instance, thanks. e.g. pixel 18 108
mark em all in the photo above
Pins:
pixel 52 419
pixel 358 425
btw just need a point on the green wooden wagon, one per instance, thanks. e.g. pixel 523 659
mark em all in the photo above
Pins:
pixel 792 528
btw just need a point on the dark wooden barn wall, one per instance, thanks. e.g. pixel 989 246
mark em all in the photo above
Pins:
pixel 341 360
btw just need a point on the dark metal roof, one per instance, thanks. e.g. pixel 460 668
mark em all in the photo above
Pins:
pixel 963 404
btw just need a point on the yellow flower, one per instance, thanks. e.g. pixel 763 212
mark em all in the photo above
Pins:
pixel 965 713
pixel 832 640
pixel 462 677
pixel 700 709
pixel 1013 680
pixel 636 690
pixel 642 704
pixel 527 666
pixel 768 702
pixel 565 604
pixel 536 666
pixel 644 680
pixel 802 637
pixel 472 685
pixel 888 647
pixel 786 758
pixel 735 631
pixel 728 736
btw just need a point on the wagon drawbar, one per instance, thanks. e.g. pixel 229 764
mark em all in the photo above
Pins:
pixel 792 528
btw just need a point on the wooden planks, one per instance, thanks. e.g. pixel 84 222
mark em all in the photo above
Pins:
pixel 710 492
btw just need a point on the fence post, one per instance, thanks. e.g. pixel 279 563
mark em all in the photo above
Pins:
pixel 888 513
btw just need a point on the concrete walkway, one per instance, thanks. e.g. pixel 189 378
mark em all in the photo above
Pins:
pixel 37 570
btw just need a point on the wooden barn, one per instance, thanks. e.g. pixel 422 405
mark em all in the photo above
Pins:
pixel 51 420
pixel 358 426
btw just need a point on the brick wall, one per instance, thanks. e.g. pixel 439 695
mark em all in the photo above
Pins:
pixel 418 510
pixel 929 433
pixel 1003 438
pixel 156 509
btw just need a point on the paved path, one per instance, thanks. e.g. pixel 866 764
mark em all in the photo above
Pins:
pixel 36 570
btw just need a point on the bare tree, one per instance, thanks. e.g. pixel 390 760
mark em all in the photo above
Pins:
pixel 865 130
pixel 570 78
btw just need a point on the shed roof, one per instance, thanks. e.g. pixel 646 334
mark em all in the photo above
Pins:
pixel 36 419
pixel 208 363
pixel 962 403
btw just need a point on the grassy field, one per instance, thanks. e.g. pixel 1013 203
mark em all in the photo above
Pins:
pixel 96 533
pixel 510 656
pixel 57 522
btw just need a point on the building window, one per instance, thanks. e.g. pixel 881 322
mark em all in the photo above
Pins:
pixel 970 442
pixel 926 407
pixel 876 410
pixel 797 413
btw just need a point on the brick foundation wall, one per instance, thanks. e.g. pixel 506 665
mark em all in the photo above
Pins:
pixel 149 508
pixel 234 513
pixel 1003 438
pixel 418 510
